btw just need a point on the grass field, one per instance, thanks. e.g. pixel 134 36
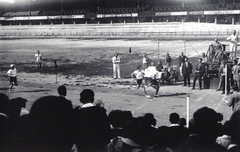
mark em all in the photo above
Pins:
pixel 86 63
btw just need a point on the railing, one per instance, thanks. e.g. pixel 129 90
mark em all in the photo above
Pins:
pixel 109 33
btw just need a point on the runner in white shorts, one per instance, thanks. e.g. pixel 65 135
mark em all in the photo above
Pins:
pixel 38 60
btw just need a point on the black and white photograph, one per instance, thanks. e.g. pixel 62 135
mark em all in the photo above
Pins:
pixel 119 75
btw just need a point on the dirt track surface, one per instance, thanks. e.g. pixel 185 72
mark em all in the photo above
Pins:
pixel 87 64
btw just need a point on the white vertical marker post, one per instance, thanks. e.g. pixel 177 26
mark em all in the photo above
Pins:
pixel 187 111
pixel 226 79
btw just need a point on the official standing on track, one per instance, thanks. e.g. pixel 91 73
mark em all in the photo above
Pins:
pixel 116 66
pixel 186 68
pixel 38 60
pixel 198 74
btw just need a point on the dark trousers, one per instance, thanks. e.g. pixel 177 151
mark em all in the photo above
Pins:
pixel 199 77
pixel 186 78
pixel 224 85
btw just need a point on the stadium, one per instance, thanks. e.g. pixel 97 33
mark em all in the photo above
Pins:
pixel 78 38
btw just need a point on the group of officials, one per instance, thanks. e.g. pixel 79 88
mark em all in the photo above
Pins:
pixel 216 54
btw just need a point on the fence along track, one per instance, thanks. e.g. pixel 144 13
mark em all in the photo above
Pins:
pixel 118 30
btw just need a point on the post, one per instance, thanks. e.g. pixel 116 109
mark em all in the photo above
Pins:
pixel 226 79
pixel 187 111
pixel 158 48
pixel 185 47
pixel 29 7
pixel 55 63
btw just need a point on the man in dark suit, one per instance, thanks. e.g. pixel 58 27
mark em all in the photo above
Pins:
pixel 181 59
pixel 199 74
pixel 236 75
pixel 186 71
pixel 175 133
pixel 90 124
pixel 223 74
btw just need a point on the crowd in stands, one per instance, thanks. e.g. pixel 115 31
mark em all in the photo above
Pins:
pixel 53 125
pixel 109 7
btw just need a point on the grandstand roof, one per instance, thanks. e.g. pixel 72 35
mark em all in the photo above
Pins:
pixel 36 5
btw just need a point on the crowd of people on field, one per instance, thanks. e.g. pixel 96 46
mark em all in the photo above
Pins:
pixel 53 125
pixel 226 62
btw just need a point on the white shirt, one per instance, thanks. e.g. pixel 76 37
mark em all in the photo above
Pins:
pixel 144 60
pixel 233 39
pixel 12 72
pixel 87 105
pixel 115 60
pixel 139 74
pixel 38 58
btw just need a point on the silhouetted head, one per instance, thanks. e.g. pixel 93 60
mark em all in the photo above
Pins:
pixel 206 123
pixel 99 103
pixel 118 118
pixel 182 122
pixel 87 96
pixel 135 130
pixel 62 90
pixel 15 105
pixel 149 118
pixel 174 118
pixel 3 103
pixel 219 117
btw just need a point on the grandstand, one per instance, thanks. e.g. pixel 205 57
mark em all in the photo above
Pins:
pixel 125 11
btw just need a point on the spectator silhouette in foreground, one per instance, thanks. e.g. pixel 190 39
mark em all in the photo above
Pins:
pixel 225 140
pixel 90 124
pixel 47 127
pixel 62 91
pixel 234 125
pixel 3 117
pixel 117 119
pixel 205 123
pixel 182 122
pixel 151 129
pixel 99 103
pixel 175 133
pixel 134 138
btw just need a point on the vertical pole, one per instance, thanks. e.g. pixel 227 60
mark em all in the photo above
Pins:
pixel 29 7
pixel 56 77
pixel 226 79
pixel 62 6
pixel 185 47
pixel 187 111
pixel 158 48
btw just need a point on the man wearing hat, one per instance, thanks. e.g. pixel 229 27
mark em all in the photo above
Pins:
pixel 12 73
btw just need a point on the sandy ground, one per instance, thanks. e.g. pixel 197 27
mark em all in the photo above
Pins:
pixel 85 63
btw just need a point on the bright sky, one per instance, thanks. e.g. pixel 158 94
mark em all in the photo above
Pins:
pixel 8 1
